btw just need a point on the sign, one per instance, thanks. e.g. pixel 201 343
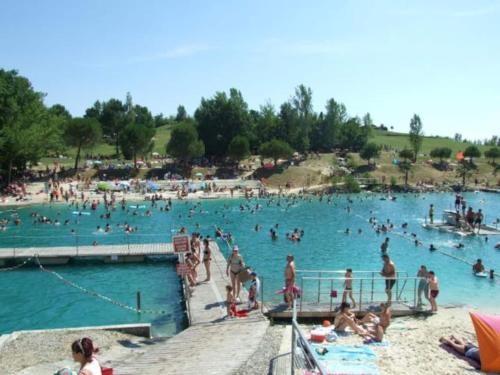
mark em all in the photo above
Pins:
pixel 181 244
pixel 182 269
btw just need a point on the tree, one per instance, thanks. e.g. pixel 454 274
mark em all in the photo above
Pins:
pixel 351 185
pixel 370 151
pixel 406 154
pixel 472 152
pixel 276 149
pixel 325 135
pixel 352 136
pixel 368 124
pixel 220 119
pixel 416 135
pixel 112 119
pixel 181 114
pixel 492 154
pixel 27 129
pixel 82 133
pixel 136 140
pixel 405 167
pixel 465 170
pixel 458 137
pixel 184 143
pixel 441 153
pixel 60 111
pixel 266 124
pixel 239 148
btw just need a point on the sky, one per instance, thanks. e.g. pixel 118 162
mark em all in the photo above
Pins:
pixel 439 59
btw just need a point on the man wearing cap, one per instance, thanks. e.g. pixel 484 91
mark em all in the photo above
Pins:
pixel 235 264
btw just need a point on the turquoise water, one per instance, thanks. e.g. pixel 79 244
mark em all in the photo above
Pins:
pixel 32 299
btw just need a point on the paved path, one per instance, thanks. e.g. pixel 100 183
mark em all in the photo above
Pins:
pixel 212 344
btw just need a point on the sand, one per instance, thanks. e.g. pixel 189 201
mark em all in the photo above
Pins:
pixel 414 348
pixel 44 352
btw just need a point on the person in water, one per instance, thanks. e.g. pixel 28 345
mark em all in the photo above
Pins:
pixel 385 245
pixel 478 267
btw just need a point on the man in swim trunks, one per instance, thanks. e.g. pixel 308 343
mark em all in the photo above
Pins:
pixel 423 285
pixel 289 280
pixel 478 219
pixel 385 245
pixel 462 347
pixel 434 290
pixel 389 272
pixel 431 213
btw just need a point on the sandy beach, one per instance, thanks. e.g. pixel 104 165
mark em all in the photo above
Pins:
pixel 413 347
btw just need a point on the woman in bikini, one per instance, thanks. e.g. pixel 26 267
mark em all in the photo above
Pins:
pixel 207 257
pixel 346 318
pixel 235 264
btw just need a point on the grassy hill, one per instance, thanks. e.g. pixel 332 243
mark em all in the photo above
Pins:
pixel 398 141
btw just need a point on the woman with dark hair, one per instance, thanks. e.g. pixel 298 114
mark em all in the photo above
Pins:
pixel 207 257
pixel 83 353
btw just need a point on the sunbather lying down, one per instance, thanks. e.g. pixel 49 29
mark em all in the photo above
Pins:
pixel 461 346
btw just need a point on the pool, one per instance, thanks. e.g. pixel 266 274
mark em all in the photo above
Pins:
pixel 32 299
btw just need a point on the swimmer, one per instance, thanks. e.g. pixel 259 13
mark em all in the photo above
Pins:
pixel 459 245
pixel 347 231
pixel 432 247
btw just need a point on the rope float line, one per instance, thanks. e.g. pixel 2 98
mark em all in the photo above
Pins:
pixel 15 267
pixel 96 294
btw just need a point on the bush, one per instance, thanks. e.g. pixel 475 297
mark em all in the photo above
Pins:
pixel 394 181
pixel 351 185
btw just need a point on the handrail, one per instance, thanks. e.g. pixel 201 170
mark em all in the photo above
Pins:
pixel 343 271
pixel 360 278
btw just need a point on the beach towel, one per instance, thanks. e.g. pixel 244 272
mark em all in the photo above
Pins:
pixel 345 353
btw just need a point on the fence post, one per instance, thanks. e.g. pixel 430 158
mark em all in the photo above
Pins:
pixel 302 290
pixel 361 295
pixel 138 299
pixel 261 295
pixel 294 338
pixel 373 285
pixel 414 293
pixel 331 298
pixel 319 286
pixel 397 288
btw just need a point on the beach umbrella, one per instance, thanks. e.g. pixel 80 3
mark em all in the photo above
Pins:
pixel 487 329
pixel 152 186
pixel 459 155
pixel 199 174
pixel 103 186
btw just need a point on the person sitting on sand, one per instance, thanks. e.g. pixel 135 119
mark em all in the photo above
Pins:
pixel 478 267
pixel 83 352
pixel 381 323
pixel 346 318
pixel 462 347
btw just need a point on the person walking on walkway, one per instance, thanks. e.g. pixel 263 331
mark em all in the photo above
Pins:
pixel 235 265
pixel 289 280
pixel 207 258
pixel 389 273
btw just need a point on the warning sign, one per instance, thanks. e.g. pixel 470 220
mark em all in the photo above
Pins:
pixel 182 269
pixel 181 244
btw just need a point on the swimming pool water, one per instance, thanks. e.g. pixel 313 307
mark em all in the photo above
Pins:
pixel 32 299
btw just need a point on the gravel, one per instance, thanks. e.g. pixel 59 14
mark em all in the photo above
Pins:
pixel 26 349
pixel 260 362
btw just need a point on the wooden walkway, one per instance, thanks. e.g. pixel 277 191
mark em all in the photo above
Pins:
pixel 87 251
pixel 212 344
pixel 325 310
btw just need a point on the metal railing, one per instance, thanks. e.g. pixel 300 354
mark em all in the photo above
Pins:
pixel 327 288
pixel 302 354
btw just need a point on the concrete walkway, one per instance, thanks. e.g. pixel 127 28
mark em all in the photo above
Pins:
pixel 212 344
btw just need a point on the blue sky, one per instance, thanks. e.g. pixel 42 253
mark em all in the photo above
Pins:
pixel 440 59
